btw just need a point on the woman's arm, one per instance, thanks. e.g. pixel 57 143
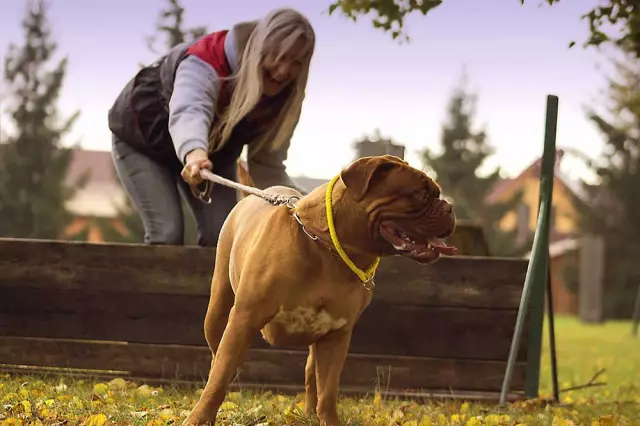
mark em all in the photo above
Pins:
pixel 195 93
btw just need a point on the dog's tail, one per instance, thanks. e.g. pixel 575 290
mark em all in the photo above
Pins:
pixel 244 177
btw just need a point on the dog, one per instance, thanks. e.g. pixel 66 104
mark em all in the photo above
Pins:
pixel 302 275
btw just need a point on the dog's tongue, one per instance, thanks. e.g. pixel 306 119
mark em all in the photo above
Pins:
pixel 439 246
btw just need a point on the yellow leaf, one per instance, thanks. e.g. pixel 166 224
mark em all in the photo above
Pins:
pixel 233 396
pixel 474 421
pixel 143 391
pixel 24 394
pixel 77 403
pixel 426 421
pixel 228 406
pixel 26 405
pixel 464 408
pixel 606 421
pixel 97 420
pixel 100 389
pixel 410 423
pixel 377 399
pixel 36 393
pixel 118 384
pixel 49 402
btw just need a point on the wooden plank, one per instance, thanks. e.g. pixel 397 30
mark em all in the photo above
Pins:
pixel 106 267
pixel 456 281
pixel 261 367
pixel 384 328
pixel 475 282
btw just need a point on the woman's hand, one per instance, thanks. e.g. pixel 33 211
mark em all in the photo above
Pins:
pixel 195 161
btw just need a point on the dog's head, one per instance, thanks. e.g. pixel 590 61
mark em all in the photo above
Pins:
pixel 404 207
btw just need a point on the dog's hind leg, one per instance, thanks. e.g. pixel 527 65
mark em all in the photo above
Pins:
pixel 244 323
pixel 311 390
pixel 221 296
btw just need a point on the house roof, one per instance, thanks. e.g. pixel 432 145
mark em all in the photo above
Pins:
pixel 98 164
pixel 534 169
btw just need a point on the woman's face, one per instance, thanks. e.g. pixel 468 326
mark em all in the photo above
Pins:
pixel 279 72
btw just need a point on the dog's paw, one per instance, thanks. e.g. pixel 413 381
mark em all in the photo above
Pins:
pixel 196 418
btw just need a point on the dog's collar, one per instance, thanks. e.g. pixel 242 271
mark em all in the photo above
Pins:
pixel 365 276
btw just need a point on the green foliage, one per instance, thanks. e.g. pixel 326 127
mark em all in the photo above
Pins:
pixel 33 164
pixel 616 201
pixel 170 24
pixel 389 16
pixel 463 152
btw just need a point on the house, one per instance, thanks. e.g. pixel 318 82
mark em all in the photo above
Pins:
pixel 568 199
pixel 100 199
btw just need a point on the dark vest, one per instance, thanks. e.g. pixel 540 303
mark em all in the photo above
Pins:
pixel 140 115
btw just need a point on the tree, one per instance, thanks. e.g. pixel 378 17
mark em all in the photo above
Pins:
pixel 623 15
pixel 615 202
pixel 463 152
pixel 170 24
pixel 33 164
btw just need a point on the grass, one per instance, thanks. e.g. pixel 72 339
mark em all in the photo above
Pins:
pixel 582 351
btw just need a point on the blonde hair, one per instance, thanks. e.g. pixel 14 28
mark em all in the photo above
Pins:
pixel 285 26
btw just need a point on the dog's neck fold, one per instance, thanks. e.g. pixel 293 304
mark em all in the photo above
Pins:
pixel 351 225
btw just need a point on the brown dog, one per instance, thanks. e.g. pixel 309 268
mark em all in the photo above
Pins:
pixel 282 276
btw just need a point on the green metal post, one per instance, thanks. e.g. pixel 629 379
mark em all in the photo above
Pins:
pixel 534 283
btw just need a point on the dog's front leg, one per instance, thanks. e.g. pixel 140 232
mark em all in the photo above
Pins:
pixel 330 354
pixel 310 387
pixel 235 343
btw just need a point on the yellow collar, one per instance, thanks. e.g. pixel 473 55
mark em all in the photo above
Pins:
pixel 365 277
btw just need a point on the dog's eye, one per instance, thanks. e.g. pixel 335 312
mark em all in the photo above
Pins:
pixel 422 196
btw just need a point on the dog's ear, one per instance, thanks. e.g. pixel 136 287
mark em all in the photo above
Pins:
pixel 359 175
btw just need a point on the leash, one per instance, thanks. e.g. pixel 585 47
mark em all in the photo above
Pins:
pixel 276 200
pixel 290 201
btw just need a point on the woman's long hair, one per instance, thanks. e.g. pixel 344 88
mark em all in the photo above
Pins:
pixel 283 26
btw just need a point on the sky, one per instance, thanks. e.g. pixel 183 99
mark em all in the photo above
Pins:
pixel 360 79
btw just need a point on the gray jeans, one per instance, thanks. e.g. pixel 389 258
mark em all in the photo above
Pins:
pixel 155 192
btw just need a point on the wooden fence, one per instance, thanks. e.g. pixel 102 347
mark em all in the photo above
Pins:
pixel 137 311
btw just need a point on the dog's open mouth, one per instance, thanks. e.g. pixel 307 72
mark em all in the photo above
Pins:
pixel 407 245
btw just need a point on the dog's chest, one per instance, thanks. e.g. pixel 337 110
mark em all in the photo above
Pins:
pixel 307 321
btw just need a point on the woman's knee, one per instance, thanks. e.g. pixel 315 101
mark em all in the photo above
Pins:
pixel 167 232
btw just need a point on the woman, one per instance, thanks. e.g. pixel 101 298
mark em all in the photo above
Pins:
pixel 197 107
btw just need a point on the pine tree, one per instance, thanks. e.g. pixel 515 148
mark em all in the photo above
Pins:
pixel 170 24
pixel 33 164
pixel 615 202
pixel 464 151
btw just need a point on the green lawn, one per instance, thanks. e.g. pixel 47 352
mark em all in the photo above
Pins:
pixel 582 351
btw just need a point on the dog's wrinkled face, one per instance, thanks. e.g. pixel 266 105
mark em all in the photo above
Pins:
pixel 403 205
